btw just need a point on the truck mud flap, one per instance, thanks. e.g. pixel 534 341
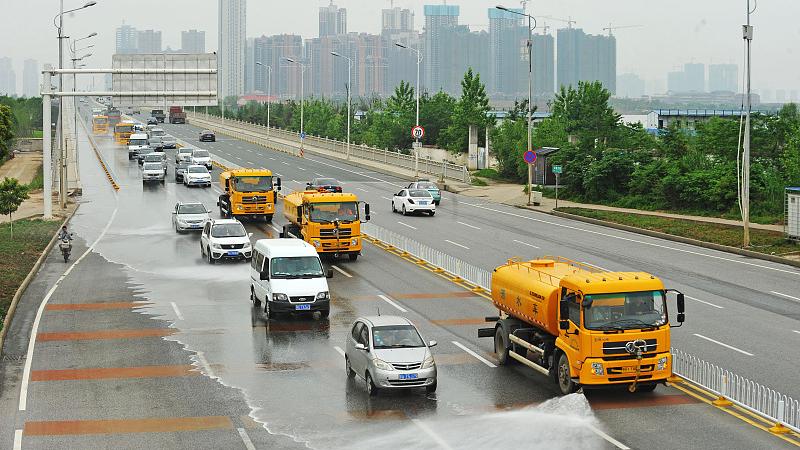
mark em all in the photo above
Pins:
pixel 485 332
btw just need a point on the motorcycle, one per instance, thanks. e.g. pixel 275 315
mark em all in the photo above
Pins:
pixel 66 248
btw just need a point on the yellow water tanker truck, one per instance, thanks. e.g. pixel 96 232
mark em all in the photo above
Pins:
pixel 248 193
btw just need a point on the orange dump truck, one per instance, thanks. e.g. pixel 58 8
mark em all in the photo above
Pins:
pixel 583 326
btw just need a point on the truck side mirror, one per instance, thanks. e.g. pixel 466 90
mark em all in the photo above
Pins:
pixel 278 183
pixel 366 211
pixel 300 212
pixel 681 303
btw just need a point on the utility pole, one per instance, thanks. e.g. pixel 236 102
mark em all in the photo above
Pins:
pixel 747 34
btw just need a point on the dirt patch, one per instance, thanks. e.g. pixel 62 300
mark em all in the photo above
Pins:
pixel 23 167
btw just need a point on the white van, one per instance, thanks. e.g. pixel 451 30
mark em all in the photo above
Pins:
pixel 288 276
pixel 136 144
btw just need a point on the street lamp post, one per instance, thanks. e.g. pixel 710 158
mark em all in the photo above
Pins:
pixel 349 88
pixel 269 91
pixel 61 139
pixel 745 176
pixel 417 143
pixel 75 60
pixel 531 26
pixel 302 102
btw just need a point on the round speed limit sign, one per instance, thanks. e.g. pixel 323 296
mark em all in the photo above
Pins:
pixel 417 132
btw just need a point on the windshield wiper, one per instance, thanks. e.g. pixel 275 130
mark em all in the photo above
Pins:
pixel 631 322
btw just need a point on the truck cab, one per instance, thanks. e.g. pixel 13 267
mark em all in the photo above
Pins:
pixel 248 193
pixel 331 222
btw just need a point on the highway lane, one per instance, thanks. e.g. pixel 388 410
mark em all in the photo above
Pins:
pixel 741 312
pixel 292 374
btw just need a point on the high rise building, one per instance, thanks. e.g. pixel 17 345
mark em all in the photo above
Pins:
pixel 368 53
pixel 723 77
pixel 193 41
pixel 780 95
pixel 250 66
pixel 544 70
pixel 273 51
pixel 332 20
pixel 441 23
pixel 402 63
pixel 676 81
pixel 8 79
pixel 586 57
pixel 397 19
pixel 630 85
pixel 695 74
pixel 127 39
pixel 508 54
pixel 149 41
pixel 30 78
pixel 232 47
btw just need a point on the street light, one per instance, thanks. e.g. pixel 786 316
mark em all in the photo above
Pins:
pixel 302 101
pixel 349 87
pixel 417 143
pixel 63 172
pixel 531 26
pixel 269 90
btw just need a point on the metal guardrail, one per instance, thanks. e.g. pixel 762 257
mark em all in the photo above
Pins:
pixel 750 395
pixel 781 410
pixel 259 134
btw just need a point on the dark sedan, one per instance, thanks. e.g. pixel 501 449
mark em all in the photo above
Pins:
pixel 325 185
pixel 180 171
pixel 207 136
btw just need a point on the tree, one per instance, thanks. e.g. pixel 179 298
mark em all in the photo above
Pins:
pixel 12 194
pixel 6 130
pixel 435 114
pixel 472 109
pixel 586 114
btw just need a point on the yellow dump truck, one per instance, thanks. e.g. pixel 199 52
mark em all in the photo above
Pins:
pixel 331 222
pixel 583 326
pixel 99 124
pixel 248 193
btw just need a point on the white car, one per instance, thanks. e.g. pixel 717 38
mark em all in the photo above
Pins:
pixel 389 353
pixel 287 275
pixel 189 216
pixel 156 157
pixel 225 239
pixel 201 157
pixel 152 171
pixel 155 131
pixel 409 201
pixel 183 154
pixel 197 175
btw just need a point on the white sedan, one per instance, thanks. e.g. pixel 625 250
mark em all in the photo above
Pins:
pixel 197 175
pixel 409 201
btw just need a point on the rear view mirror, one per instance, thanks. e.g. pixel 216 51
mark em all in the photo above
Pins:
pixel 432 344
pixel 264 276
pixel 249 234
pixel 329 274
pixel 360 346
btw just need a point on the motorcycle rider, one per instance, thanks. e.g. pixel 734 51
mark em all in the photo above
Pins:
pixel 64 235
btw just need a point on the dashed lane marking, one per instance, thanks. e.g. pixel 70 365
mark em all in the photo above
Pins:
pixel 17 440
pixel 786 296
pixel 723 344
pixel 246 439
pixel 406 225
pixel 525 243
pixel 177 311
pixel 391 302
pixel 338 349
pixel 704 302
pixel 473 354
pixel 336 268
pixel 608 438
pixel 456 244
pixel 468 225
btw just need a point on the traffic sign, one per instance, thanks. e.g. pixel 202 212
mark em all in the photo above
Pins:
pixel 529 156
pixel 302 135
pixel 417 132
pixel 556 169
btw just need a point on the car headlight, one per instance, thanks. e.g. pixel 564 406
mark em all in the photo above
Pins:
pixel 428 363
pixel 215 245
pixel 280 298
pixel 662 363
pixel 354 241
pixel 324 295
pixel 383 365
pixel 597 368
pixel 316 243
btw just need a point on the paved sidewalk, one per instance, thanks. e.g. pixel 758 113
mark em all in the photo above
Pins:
pixel 511 194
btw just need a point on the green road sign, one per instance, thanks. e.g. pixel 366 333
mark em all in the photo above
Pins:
pixel 556 169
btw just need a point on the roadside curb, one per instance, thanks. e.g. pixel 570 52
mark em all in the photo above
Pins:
pixel 672 237
pixel 27 281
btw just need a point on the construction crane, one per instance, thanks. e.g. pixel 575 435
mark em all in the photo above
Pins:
pixel 610 27
pixel 568 21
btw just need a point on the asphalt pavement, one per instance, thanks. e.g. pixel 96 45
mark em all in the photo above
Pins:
pixel 743 313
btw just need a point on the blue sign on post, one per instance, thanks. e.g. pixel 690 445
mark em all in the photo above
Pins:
pixel 302 135
pixel 529 156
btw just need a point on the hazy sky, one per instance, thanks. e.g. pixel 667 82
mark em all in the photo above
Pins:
pixel 671 32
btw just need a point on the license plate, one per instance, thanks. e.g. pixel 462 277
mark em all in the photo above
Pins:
pixel 302 307
pixel 423 203
pixel 408 376
pixel 233 253
pixel 628 369
pixel 195 226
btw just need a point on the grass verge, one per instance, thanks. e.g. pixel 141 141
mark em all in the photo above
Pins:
pixel 18 255
pixel 763 241
pixel 38 180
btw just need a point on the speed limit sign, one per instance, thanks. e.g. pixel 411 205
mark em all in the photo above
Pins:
pixel 417 132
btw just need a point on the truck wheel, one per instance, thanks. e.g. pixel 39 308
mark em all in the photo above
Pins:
pixel 501 347
pixel 565 382
pixel 268 218
pixel 253 297
pixel 353 256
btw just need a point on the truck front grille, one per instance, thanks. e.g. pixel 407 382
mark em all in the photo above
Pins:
pixel 256 199
pixel 331 233
pixel 618 348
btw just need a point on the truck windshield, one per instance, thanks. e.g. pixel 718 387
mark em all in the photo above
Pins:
pixel 334 211
pixel 623 311
pixel 100 120
pixel 124 129
pixel 252 184
pixel 296 267
pixel 396 336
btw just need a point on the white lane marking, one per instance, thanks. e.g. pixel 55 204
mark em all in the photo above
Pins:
pixel 595 265
pixel 456 244
pixel 386 198
pixel 473 354
pixel 391 302
pixel 787 296
pixel 353 171
pixel 336 268
pixel 250 162
pixel 240 159
pixel 338 349
pixel 525 243
pixel 273 159
pixel 17 439
pixel 26 372
pixel 704 302
pixel 284 162
pixel 318 174
pixel 246 439
pixel 249 150
pixel 406 225
pixel 622 238
pixel 796 331
pixel 608 438
pixel 362 189
pixel 468 225
pixel 300 168
pixel 723 344
pixel 177 311
pixel 275 228
pixel 436 438
pixel 295 181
